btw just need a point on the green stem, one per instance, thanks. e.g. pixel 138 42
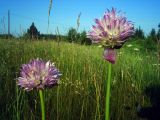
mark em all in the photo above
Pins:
pixel 42 104
pixel 17 97
pixel 107 117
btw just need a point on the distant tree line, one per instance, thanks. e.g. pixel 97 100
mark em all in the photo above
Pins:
pixel 6 36
pixel 153 34
pixel 150 41
pixel 73 36
pixel 33 34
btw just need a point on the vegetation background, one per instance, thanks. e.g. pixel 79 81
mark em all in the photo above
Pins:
pixel 80 95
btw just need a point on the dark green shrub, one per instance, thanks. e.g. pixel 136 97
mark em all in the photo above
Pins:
pixel 72 35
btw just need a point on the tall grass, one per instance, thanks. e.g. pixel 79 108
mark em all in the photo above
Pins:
pixel 80 94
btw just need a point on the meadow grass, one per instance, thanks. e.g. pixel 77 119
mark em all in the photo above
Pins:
pixel 80 94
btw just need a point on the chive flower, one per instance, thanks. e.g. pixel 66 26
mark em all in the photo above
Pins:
pixel 111 32
pixel 38 74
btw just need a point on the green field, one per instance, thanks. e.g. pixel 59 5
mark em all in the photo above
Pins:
pixel 80 94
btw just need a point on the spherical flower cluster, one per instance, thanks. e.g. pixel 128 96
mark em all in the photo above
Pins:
pixel 38 74
pixel 112 31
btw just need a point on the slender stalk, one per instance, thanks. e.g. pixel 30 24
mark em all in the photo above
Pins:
pixel 42 104
pixel 17 107
pixel 57 103
pixel 107 115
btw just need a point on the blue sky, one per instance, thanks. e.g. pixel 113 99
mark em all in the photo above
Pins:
pixel 144 13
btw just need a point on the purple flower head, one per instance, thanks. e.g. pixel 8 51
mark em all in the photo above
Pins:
pixel 111 31
pixel 38 74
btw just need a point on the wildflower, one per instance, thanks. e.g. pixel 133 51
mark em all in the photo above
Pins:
pixel 112 31
pixel 136 49
pixel 38 74
pixel 130 45
pixel 76 92
pixel 133 85
pixel 120 53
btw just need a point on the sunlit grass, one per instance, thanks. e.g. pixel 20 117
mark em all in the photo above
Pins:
pixel 81 91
